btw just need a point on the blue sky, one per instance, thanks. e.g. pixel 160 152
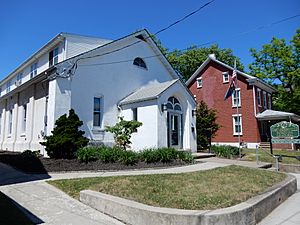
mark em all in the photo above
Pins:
pixel 25 26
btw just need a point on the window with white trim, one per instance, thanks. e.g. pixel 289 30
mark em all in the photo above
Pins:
pixel 225 77
pixel 33 70
pixel 258 97
pixel 134 114
pixel 8 84
pixel 265 99
pixel 97 112
pixel 24 118
pixel 269 101
pixel 236 97
pixel 10 118
pixel 237 124
pixel 53 57
pixel 199 82
pixel 19 79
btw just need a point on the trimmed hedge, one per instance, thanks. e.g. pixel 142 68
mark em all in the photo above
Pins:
pixel 114 154
pixel 225 151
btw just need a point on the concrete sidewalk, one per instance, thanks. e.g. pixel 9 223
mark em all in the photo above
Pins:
pixel 46 204
pixel 288 213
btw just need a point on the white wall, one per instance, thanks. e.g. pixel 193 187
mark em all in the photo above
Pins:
pixel 113 82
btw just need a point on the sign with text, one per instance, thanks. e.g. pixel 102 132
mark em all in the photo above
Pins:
pixel 286 141
pixel 284 130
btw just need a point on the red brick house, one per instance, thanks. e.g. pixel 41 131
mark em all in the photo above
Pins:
pixel 253 96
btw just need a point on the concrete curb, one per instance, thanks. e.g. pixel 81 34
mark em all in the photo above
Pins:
pixel 289 168
pixel 246 213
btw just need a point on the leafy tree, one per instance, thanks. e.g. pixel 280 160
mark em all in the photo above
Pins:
pixel 206 124
pixel 278 63
pixel 122 131
pixel 187 62
pixel 66 137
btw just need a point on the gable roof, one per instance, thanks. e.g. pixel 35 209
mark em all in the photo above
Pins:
pixel 148 92
pixel 250 79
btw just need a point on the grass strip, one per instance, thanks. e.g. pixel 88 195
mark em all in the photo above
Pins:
pixel 210 189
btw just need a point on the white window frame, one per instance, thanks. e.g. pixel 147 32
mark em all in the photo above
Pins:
pixel 225 74
pixel 19 79
pixel 265 99
pixel 239 98
pixel 199 82
pixel 8 85
pixel 33 70
pixel 100 111
pixel 269 101
pixel 54 59
pixel 259 97
pixel 234 124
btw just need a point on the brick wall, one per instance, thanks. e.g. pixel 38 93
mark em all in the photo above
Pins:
pixel 213 91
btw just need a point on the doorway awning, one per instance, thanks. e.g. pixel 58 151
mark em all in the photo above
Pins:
pixel 277 115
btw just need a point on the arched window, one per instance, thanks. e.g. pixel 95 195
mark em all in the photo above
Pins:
pixel 139 62
pixel 173 104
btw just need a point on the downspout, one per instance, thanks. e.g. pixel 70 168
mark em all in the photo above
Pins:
pixel 254 107
pixel 45 120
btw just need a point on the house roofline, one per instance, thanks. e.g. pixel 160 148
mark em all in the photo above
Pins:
pixel 249 77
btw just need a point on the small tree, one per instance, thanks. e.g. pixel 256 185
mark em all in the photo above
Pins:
pixel 66 137
pixel 122 131
pixel 206 125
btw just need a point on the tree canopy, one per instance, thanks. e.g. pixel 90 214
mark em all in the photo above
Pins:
pixel 187 62
pixel 278 63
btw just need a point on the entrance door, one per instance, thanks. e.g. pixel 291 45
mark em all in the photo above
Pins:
pixel 174 130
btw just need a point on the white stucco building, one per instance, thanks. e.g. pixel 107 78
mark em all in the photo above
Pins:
pixel 101 80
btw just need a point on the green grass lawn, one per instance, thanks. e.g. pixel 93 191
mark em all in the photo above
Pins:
pixel 210 189
pixel 263 156
pixel 10 214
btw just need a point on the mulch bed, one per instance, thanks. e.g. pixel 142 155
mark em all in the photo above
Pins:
pixel 45 165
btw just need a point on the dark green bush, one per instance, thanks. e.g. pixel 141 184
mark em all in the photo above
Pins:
pixel 185 156
pixel 66 137
pixel 87 154
pixel 167 154
pixel 129 157
pixel 29 153
pixel 225 151
pixel 110 155
pixel 149 155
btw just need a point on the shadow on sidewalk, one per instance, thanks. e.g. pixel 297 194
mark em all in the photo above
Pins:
pixel 13 213
pixel 18 168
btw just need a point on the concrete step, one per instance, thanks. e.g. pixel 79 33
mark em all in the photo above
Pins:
pixel 202 155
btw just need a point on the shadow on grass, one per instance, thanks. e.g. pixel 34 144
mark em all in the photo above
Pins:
pixel 13 213
pixel 11 165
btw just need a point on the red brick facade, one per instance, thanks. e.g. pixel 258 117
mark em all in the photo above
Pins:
pixel 213 91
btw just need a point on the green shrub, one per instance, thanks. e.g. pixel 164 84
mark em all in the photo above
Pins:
pixel 226 151
pixel 167 154
pixel 87 154
pixel 110 155
pixel 66 137
pixel 149 155
pixel 185 156
pixel 129 157
pixel 29 153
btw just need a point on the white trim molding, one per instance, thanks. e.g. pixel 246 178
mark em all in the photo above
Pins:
pixel 238 124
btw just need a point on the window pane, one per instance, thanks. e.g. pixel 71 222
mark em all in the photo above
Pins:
pixel 96 119
pixel 97 102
